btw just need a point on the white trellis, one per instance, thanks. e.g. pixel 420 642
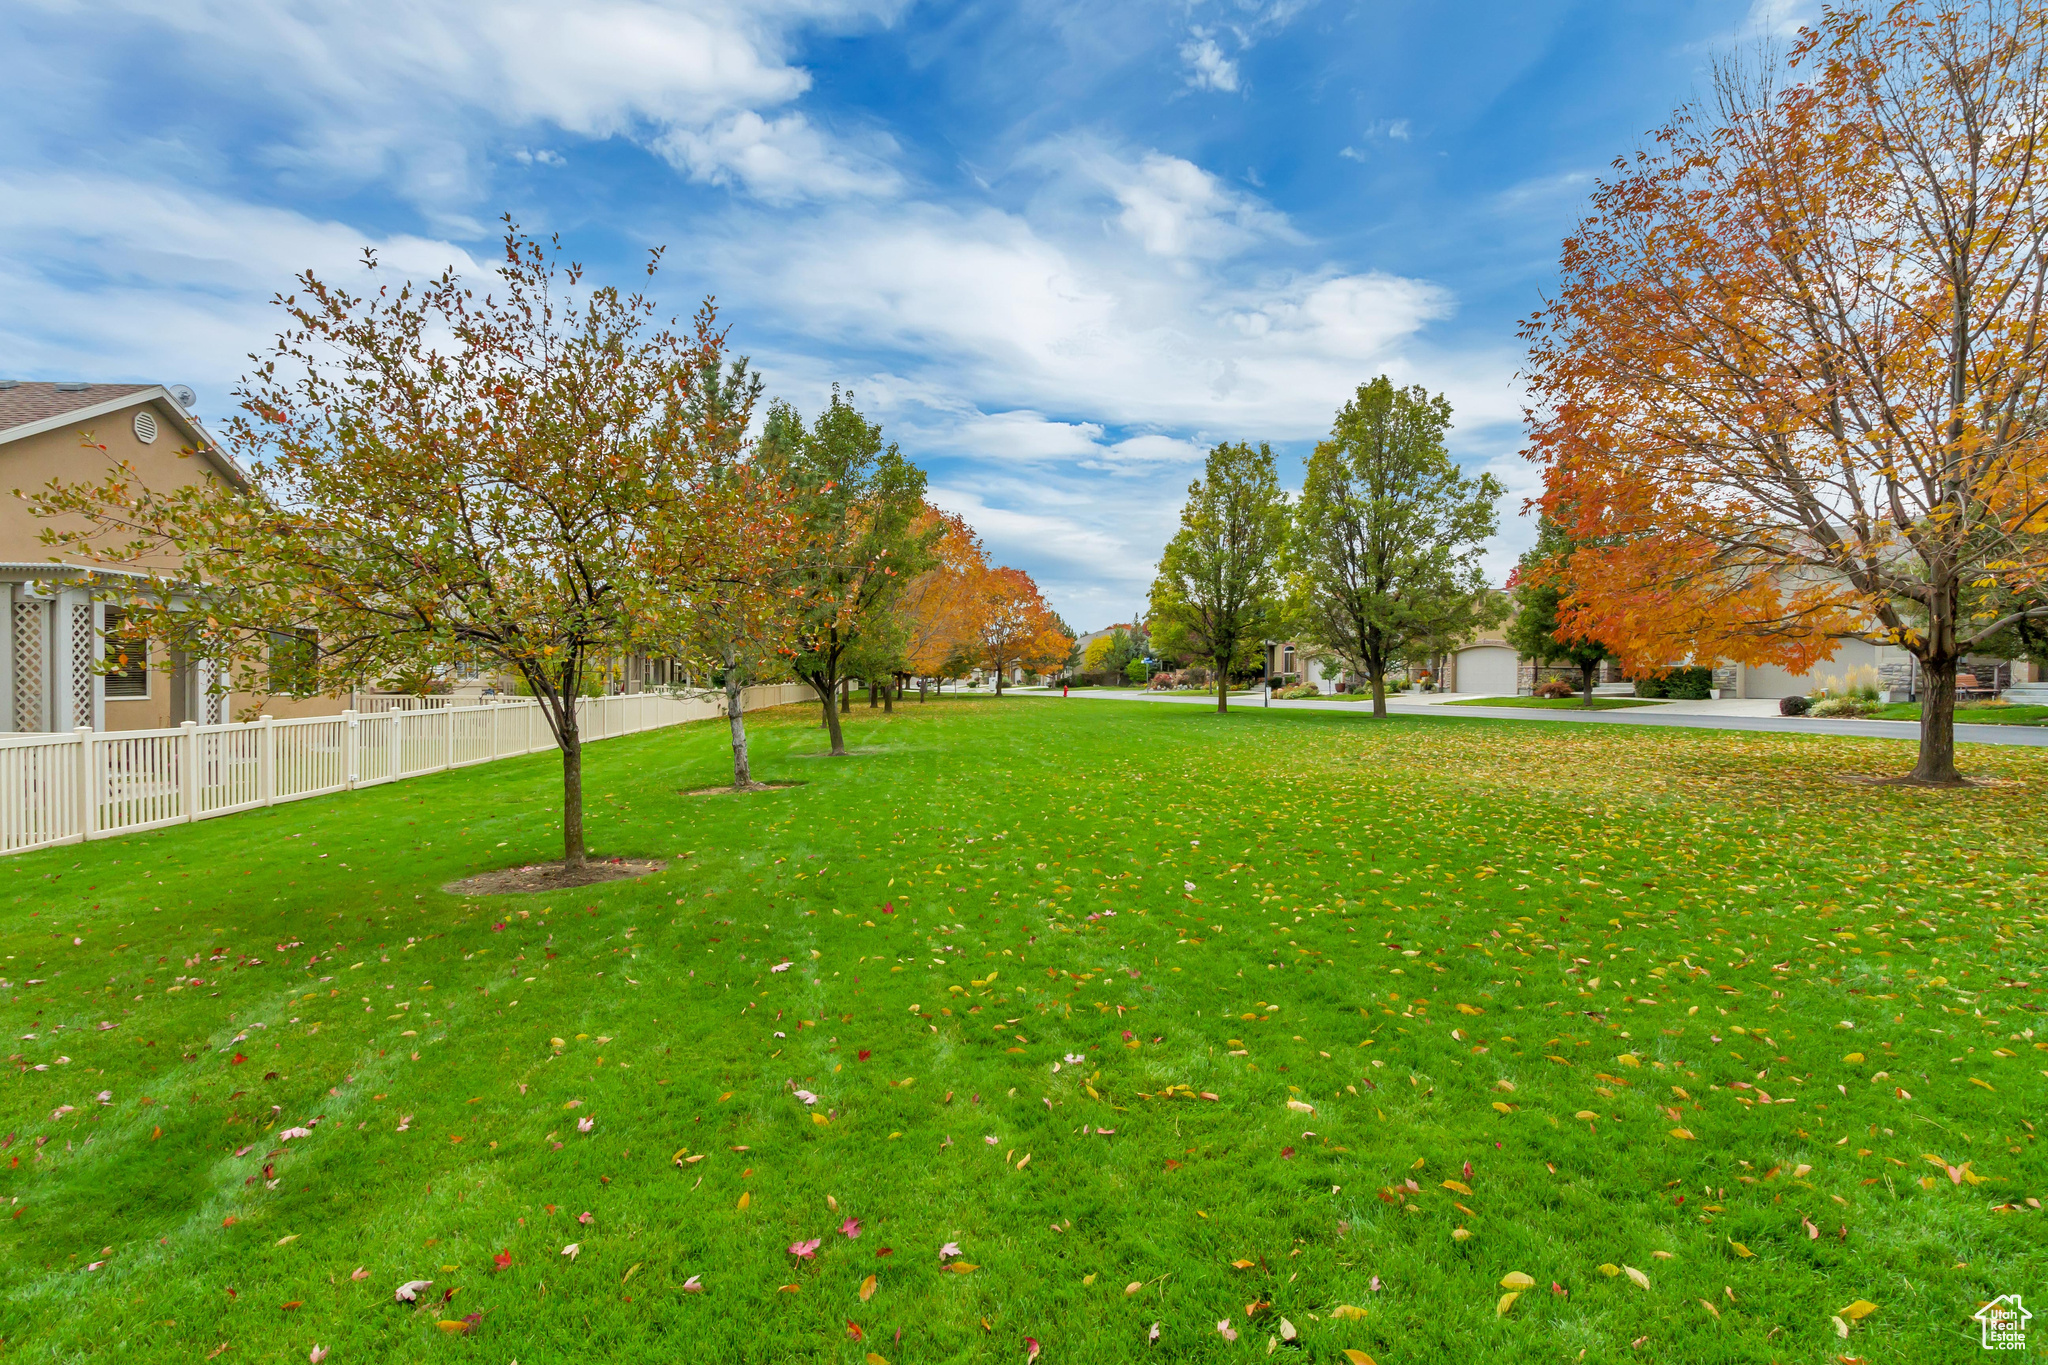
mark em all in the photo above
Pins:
pixel 65 788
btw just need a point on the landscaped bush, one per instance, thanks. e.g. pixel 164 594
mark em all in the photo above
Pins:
pixel 1793 706
pixel 1680 684
pixel 1555 689
pixel 1842 707
pixel 1300 693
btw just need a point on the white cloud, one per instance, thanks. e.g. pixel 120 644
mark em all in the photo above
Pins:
pixel 778 161
pixel 1208 68
pixel 104 278
pixel 1175 208
pixel 411 90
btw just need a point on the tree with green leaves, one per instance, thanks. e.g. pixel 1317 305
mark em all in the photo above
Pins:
pixel 858 503
pixel 1217 593
pixel 1384 559
pixel 449 476
pixel 1534 630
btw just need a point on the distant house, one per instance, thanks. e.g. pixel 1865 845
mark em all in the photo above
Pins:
pixel 61 619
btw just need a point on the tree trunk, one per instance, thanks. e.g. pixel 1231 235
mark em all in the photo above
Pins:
pixel 572 792
pixel 1378 676
pixel 832 723
pixel 1222 686
pixel 889 696
pixel 1587 671
pixel 1937 762
pixel 735 712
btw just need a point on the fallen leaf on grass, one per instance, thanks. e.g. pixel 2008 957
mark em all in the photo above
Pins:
pixel 867 1289
pixel 359 1273
pixel 317 1354
pixel 409 1292
pixel 573 1250
pixel 1460 1186
pixel 1682 1134
pixel 1507 1301
pixel 746 1198
pixel 1226 1331
pixel 1711 1309
pixel 963 1267
pixel 1642 1280
pixel 1858 1310
pixel 1242 1264
pixel 691 1286
pixel 1133 1287
pixel 1358 1357
pixel 1347 1310
pixel 1740 1250
pixel 1515 1279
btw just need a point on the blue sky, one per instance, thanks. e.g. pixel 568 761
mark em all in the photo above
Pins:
pixel 1057 249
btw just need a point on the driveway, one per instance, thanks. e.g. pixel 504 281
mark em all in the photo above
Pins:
pixel 1733 714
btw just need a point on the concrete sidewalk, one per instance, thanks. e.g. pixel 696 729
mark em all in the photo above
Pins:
pixel 1733 714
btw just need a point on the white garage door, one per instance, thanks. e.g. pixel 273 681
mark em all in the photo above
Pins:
pixel 1769 680
pixel 1487 671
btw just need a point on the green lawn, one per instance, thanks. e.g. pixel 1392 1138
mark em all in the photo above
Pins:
pixel 1159 1016
pixel 1561 703
pixel 1969 715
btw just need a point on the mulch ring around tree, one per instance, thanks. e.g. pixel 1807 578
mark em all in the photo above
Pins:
pixel 728 789
pixel 553 876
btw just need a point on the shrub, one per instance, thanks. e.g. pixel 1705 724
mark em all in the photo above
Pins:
pixel 1555 689
pixel 1858 684
pixel 1299 693
pixel 1680 684
pixel 1392 684
pixel 1793 706
pixel 1842 707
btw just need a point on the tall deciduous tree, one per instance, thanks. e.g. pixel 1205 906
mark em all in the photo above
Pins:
pixel 1535 630
pixel 939 606
pixel 1795 377
pixel 443 479
pixel 1015 627
pixel 857 502
pixel 1217 593
pixel 1384 560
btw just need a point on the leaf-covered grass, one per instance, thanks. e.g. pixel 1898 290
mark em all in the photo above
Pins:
pixel 1360 1013
pixel 1966 714
pixel 1561 703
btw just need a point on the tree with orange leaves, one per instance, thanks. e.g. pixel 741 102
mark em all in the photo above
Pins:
pixel 1014 627
pixel 1794 389
pixel 940 609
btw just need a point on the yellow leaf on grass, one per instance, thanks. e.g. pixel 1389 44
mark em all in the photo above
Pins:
pixel 1133 1287
pixel 1682 1134
pixel 867 1289
pixel 1460 1234
pixel 962 1267
pixel 1711 1309
pixel 1853 1058
pixel 788 1288
pixel 1088 1279
pixel 1586 1114
pixel 1470 1009
pixel 1347 1310
pixel 1358 1357
pixel 1642 1280
pixel 452 1325
pixel 874 1359
pixel 1503 1107
pixel 1515 1279
pixel 1610 1271
pixel 1460 1186
pixel 1507 1301
pixel 1740 1250
pixel 746 1198
pixel 817 1117
pixel 1858 1311
pixel 1242 1265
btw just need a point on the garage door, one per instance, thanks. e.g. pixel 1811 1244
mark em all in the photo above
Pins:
pixel 1488 671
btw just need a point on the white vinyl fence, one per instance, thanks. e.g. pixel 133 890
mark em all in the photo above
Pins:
pixel 66 788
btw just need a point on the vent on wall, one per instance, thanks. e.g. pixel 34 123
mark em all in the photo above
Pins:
pixel 145 426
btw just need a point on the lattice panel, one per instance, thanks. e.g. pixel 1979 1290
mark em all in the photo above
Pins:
pixel 213 705
pixel 30 667
pixel 81 663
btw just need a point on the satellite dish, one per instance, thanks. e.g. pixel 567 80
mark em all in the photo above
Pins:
pixel 183 393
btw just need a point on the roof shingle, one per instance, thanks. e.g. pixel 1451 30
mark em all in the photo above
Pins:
pixel 32 401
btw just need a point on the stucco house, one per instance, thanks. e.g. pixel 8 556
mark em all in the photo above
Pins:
pixel 60 618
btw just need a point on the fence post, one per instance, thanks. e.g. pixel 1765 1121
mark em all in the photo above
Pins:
pixel 87 806
pixel 395 746
pixel 350 735
pixel 266 760
pixel 188 768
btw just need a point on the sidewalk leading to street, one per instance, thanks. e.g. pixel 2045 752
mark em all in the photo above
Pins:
pixel 1732 714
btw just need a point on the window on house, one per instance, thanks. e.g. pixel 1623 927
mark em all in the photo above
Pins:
pixel 294 661
pixel 127 660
